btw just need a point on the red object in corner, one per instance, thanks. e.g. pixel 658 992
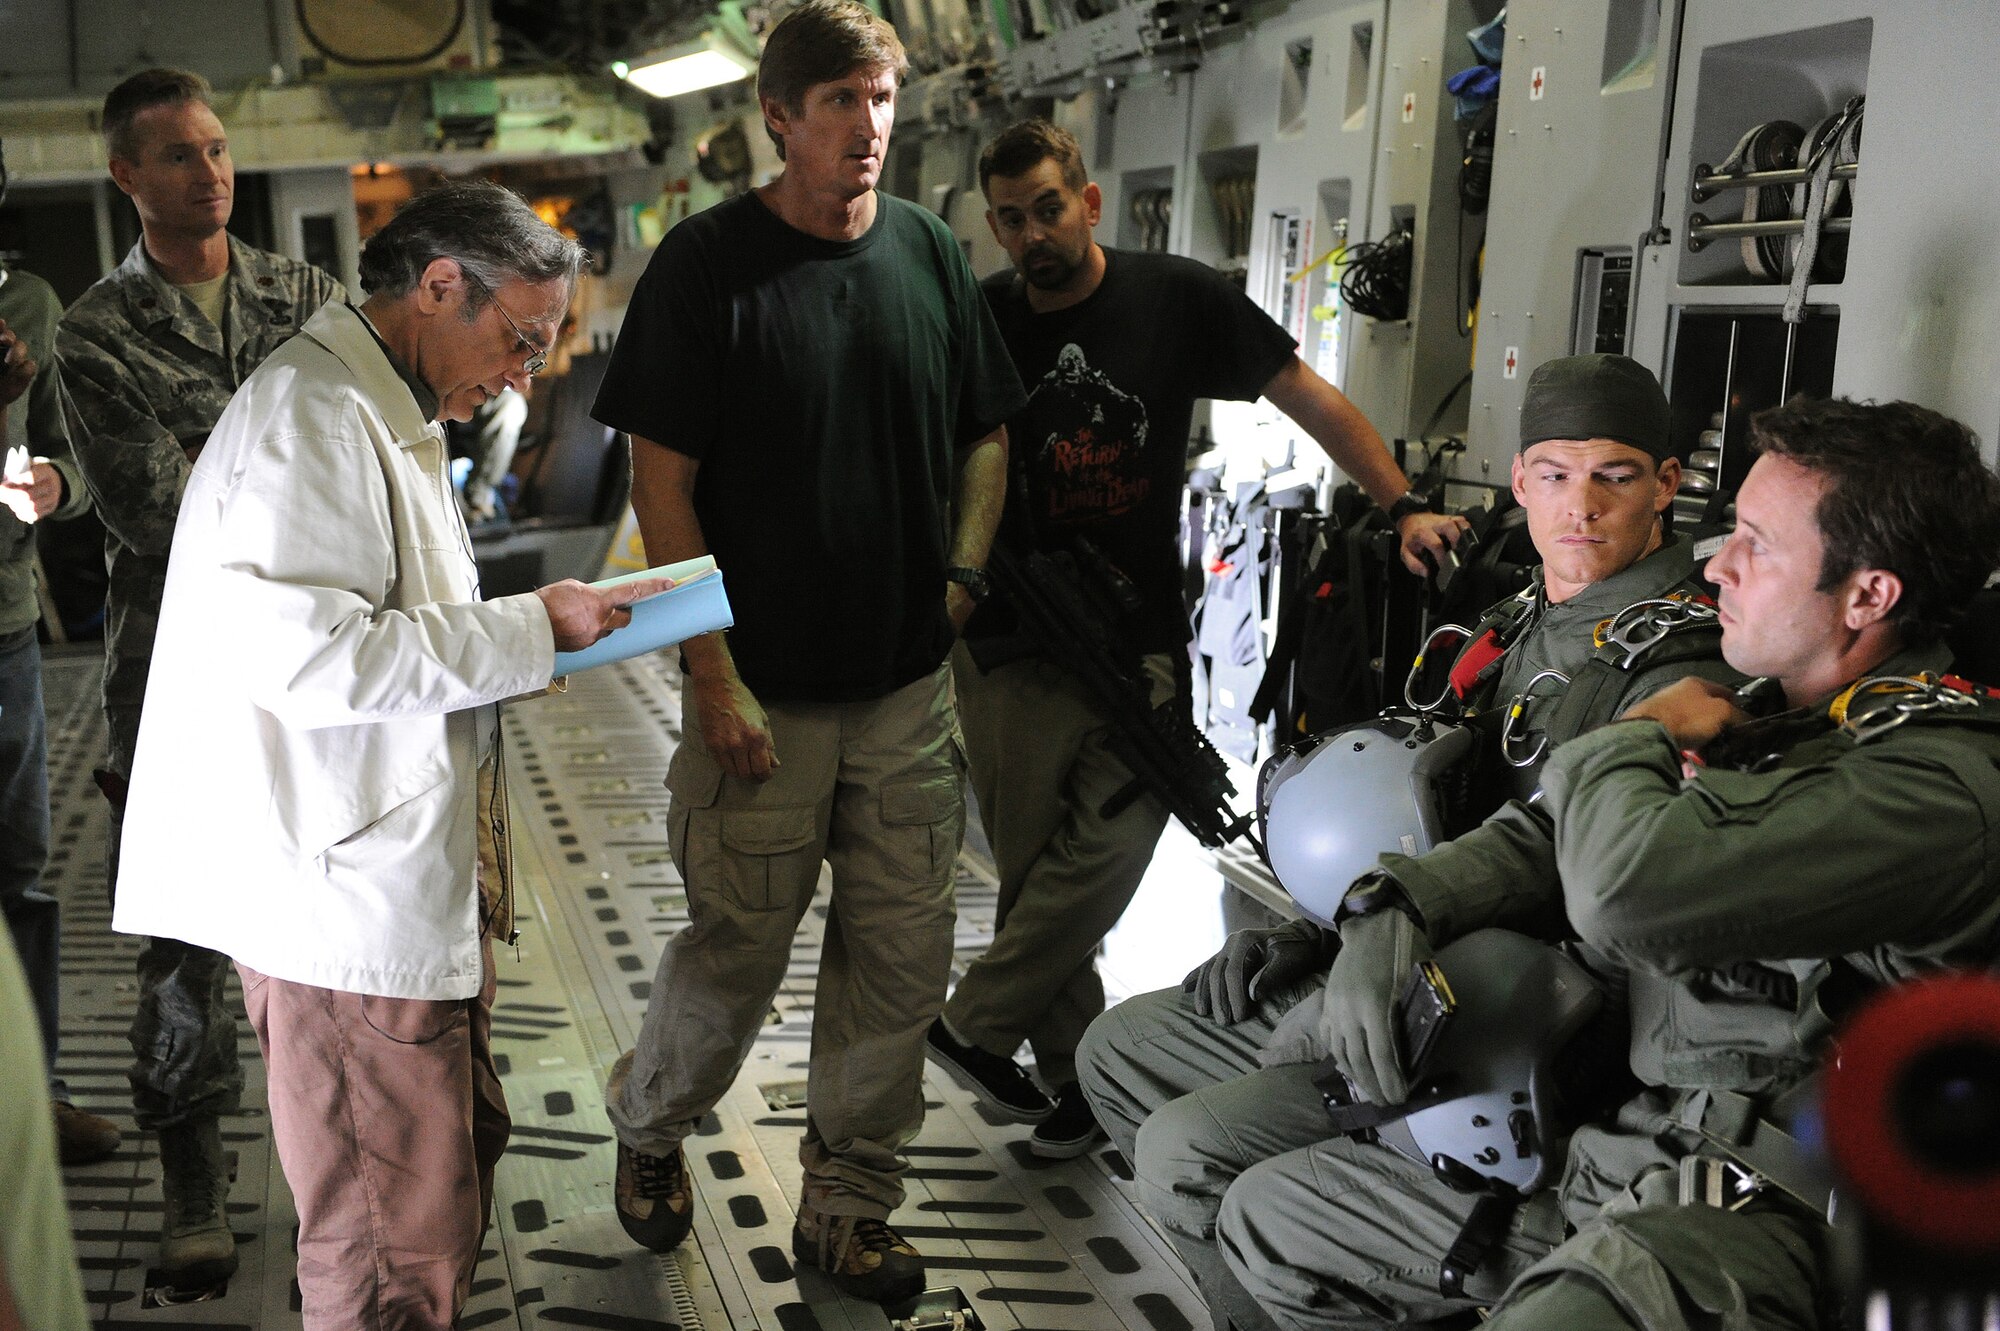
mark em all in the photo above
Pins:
pixel 1923 1203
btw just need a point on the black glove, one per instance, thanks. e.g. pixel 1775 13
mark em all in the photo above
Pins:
pixel 1252 964
pixel 1358 1016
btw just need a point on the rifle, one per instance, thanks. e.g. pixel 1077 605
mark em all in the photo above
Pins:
pixel 1068 603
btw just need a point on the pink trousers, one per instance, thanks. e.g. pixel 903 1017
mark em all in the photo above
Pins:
pixel 389 1118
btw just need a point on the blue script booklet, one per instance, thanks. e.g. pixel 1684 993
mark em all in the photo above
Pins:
pixel 694 605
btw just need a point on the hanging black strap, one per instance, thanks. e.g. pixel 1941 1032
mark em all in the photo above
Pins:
pixel 1484 1230
pixel 1285 643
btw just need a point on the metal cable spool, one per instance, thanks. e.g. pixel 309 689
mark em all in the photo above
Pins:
pixel 1771 146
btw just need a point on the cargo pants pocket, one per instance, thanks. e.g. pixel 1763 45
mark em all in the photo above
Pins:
pixel 693 782
pixel 924 822
pixel 413 1020
pixel 770 856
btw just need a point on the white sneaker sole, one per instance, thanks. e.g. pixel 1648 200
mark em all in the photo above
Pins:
pixel 1053 1150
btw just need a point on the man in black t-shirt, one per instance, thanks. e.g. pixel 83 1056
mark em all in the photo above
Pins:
pixel 816 394
pixel 1115 348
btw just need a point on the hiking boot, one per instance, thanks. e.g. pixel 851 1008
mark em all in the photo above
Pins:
pixel 1070 1131
pixel 998 1082
pixel 863 1257
pixel 83 1138
pixel 197 1251
pixel 654 1202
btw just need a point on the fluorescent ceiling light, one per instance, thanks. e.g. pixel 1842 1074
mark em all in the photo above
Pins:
pixel 706 62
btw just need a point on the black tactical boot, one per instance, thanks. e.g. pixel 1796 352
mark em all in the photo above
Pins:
pixel 197 1251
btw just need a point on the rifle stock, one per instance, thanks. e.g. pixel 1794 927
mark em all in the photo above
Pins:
pixel 1068 606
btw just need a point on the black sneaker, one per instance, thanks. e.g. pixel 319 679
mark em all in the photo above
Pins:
pixel 863 1257
pixel 654 1203
pixel 997 1081
pixel 1070 1131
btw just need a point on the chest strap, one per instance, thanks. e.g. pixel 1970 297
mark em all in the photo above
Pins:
pixel 1742 1128
pixel 1645 635
pixel 1479 661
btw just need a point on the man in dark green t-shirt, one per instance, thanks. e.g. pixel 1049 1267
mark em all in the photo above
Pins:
pixel 815 392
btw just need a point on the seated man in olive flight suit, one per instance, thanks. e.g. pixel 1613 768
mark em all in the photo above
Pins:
pixel 1749 877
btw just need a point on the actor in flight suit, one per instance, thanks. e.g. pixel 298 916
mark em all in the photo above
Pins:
pixel 1195 1085
pixel 1753 877
pixel 150 356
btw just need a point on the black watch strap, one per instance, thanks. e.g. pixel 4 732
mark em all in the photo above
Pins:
pixel 975 581
pixel 1410 502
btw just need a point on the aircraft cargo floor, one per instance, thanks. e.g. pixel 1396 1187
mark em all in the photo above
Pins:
pixel 1027 1243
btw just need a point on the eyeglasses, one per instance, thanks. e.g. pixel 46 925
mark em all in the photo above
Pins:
pixel 538 359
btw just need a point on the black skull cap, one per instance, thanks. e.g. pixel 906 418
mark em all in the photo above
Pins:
pixel 1596 397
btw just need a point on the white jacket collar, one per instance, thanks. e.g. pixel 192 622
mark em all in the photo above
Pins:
pixel 339 329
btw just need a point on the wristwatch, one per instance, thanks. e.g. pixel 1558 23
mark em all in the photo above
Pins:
pixel 977 585
pixel 1410 502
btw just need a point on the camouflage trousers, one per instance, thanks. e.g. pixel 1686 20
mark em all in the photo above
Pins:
pixel 185 1066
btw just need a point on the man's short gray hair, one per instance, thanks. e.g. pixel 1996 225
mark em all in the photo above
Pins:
pixel 490 231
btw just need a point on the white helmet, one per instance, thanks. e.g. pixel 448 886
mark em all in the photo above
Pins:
pixel 1327 808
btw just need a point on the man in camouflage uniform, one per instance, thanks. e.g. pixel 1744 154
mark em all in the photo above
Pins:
pixel 150 356
pixel 1750 878
pixel 1196 1085
pixel 43 486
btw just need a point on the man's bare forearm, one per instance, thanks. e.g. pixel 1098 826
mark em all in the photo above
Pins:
pixel 982 493
pixel 663 501
pixel 1340 429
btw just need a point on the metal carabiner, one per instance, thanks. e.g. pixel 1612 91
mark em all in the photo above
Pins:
pixel 1919 695
pixel 1512 732
pixel 1638 626
pixel 1417 668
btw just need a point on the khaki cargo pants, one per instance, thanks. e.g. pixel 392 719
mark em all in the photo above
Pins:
pixel 1042 769
pixel 876 790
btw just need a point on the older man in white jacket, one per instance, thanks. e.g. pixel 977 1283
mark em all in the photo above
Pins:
pixel 319 745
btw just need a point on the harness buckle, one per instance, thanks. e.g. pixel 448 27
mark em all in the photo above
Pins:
pixel 1907 696
pixel 1707 1180
pixel 1637 628
pixel 1514 730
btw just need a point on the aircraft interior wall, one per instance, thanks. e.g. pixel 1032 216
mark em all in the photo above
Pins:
pixel 1276 141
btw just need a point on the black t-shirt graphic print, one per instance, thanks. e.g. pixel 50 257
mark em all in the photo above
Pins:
pixel 1100 450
